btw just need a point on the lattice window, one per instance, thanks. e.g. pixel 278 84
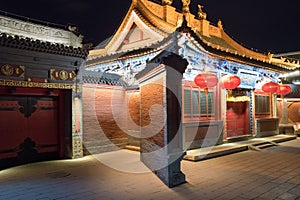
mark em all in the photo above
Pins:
pixel 262 105
pixel 197 105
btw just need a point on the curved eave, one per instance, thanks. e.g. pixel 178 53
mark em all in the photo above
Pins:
pixel 120 56
pixel 238 47
pixel 157 47
pixel 285 64
pixel 227 54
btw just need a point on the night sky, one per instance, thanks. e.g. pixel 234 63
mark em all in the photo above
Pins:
pixel 263 25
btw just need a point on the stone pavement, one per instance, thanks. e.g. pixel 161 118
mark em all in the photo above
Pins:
pixel 234 147
pixel 272 173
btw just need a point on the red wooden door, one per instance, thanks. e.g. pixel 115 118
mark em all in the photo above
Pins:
pixel 43 124
pixel 28 128
pixel 12 123
pixel 237 119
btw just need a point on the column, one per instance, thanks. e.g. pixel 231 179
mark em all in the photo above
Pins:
pixel 161 128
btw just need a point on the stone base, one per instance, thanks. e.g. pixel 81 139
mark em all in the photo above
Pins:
pixel 166 167
pixel 287 129
pixel 172 174
pixel 77 147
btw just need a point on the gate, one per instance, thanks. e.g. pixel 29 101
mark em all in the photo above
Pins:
pixel 29 129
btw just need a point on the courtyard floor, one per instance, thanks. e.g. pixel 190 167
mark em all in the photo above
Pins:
pixel 272 173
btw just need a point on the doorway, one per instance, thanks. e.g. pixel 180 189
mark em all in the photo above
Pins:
pixel 30 127
pixel 237 119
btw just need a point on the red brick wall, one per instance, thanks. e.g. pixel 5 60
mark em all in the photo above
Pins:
pixel 134 100
pixel 152 94
pixel 109 104
pixel 104 116
pixel 134 118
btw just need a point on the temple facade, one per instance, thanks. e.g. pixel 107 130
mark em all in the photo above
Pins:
pixel 139 88
pixel 40 92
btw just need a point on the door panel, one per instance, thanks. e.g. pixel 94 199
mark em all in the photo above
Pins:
pixel 12 126
pixel 45 132
pixel 237 119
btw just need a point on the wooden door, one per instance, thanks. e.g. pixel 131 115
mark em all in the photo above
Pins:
pixel 237 119
pixel 29 129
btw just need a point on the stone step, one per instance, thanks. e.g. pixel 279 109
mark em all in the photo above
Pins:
pixel 133 148
pixel 262 145
pixel 229 148
pixel 285 139
pixel 266 145
pixel 102 146
pixel 102 149
pixel 103 142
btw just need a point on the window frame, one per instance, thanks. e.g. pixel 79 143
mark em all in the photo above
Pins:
pixel 198 115
pixel 269 107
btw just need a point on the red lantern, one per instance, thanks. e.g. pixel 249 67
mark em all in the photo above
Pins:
pixel 284 89
pixel 206 80
pixel 270 87
pixel 230 82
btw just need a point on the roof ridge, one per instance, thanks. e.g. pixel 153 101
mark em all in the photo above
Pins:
pixel 18 42
pixel 34 21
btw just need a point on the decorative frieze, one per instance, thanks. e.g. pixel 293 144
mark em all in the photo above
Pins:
pixel 62 75
pixel 30 84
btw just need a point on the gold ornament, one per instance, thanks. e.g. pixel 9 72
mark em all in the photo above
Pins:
pixel 167 2
pixel 201 14
pixel 7 70
pixel 185 7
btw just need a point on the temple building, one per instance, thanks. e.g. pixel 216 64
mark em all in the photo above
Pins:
pixel 40 92
pixel 168 81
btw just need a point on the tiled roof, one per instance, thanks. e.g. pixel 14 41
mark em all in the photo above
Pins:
pixel 213 38
pixel 40 46
pixel 102 78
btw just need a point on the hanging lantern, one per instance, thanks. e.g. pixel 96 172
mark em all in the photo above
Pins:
pixel 206 80
pixel 270 87
pixel 230 82
pixel 284 89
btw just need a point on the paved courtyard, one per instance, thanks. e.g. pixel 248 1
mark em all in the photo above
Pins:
pixel 273 173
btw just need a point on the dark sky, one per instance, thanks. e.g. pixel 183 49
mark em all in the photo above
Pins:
pixel 264 25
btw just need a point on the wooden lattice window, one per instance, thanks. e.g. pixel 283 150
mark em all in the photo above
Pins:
pixel 197 104
pixel 262 105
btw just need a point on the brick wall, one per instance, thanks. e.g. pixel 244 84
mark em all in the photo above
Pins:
pixel 152 98
pixel 104 118
pixel 134 118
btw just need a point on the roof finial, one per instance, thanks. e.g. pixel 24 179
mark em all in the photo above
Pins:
pixel 201 14
pixel 185 6
pixel 220 24
pixel 167 2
